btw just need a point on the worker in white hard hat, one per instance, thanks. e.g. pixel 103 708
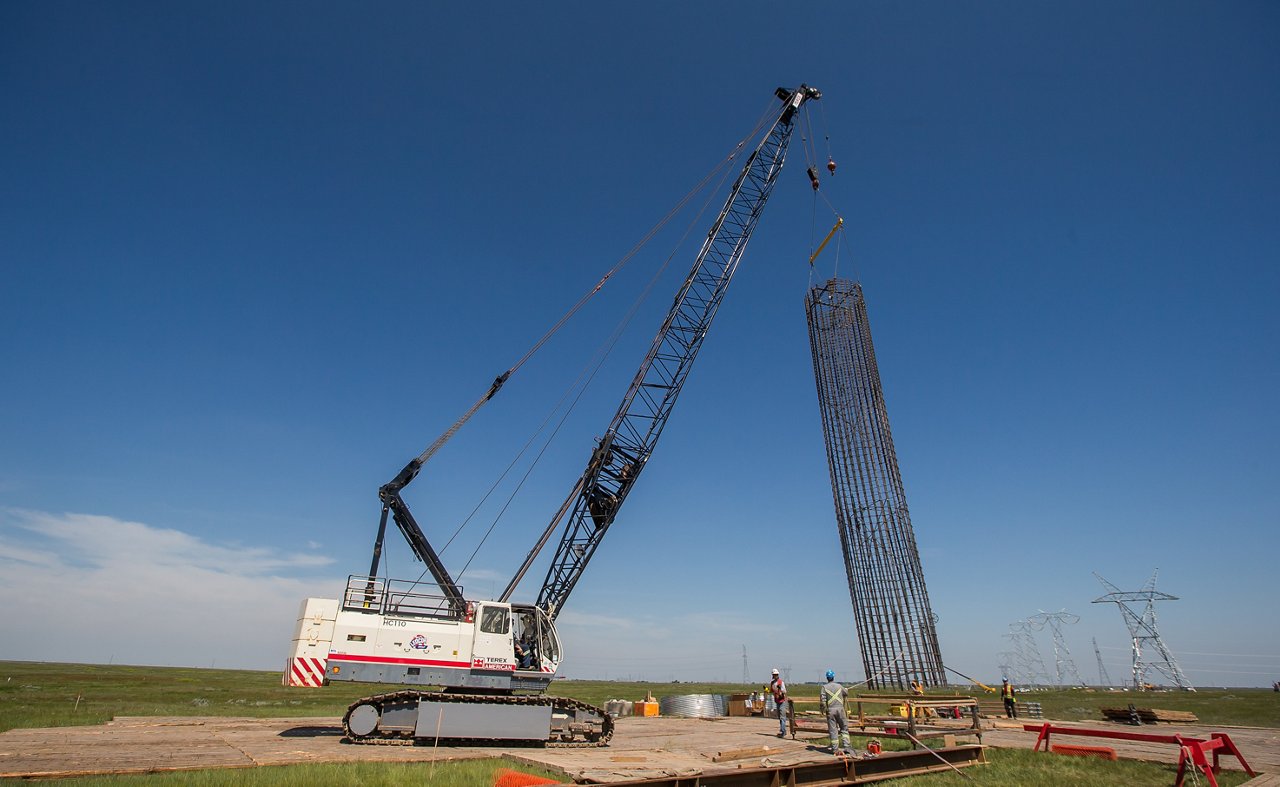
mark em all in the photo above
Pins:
pixel 779 691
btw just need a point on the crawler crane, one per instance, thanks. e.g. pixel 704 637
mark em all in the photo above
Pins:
pixel 495 659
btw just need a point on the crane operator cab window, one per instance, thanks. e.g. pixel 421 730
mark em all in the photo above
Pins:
pixel 535 643
pixel 526 641
pixel 548 645
pixel 494 620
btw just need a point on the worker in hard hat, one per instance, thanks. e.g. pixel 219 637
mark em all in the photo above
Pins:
pixel 831 698
pixel 1010 699
pixel 779 691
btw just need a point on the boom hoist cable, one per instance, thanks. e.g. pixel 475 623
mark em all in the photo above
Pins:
pixel 810 134
pixel 392 502
pixel 602 353
pixel 587 375
pixel 831 162
pixel 621 454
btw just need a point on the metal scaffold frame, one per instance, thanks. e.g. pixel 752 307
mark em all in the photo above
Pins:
pixel 895 624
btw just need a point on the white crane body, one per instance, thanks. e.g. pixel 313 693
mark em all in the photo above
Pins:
pixel 379 633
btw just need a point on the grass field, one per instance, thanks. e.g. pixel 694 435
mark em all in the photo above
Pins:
pixel 45 695
pixel 1005 768
pixel 51 695
pixel 472 773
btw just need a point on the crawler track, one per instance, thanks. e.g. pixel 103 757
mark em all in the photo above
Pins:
pixel 555 739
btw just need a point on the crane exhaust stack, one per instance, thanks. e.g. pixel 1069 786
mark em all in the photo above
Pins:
pixel 895 624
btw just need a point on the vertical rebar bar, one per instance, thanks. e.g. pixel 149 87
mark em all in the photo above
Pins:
pixel 894 622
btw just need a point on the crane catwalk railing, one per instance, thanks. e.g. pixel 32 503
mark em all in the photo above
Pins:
pixel 626 446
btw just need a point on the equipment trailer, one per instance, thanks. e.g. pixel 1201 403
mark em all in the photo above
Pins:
pixel 493 659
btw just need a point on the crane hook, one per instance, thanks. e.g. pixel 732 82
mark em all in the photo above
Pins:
pixel 813 177
pixel 831 165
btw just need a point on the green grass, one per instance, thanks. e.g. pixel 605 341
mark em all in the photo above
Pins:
pixel 1020 767
pixel 43 695
pixel 470 773
pixel 1240 707
pixel 1005 768
pixel 55 695
pixel 50 695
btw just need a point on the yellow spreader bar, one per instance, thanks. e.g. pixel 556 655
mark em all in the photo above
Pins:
pixel 826 240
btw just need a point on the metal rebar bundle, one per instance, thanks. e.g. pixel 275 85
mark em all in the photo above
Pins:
pixel 895 624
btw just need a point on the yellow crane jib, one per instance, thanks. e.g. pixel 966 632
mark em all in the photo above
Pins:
pixel 826 240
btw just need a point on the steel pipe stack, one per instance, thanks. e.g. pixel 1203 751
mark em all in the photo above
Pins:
pixel 894 622
pixel 694 706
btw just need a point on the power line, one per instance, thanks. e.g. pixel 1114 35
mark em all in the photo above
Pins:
pixel 1103 677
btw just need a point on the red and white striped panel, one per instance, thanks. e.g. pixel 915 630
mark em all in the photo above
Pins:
pixel 305 671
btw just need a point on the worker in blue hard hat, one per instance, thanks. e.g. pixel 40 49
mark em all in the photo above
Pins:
pixel 832 697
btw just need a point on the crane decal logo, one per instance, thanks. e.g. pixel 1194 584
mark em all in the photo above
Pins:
pixel 418 642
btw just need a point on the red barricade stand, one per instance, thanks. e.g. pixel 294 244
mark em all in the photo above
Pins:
pixel 1195 751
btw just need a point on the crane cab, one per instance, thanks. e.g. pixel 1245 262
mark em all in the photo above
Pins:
pixel 388 631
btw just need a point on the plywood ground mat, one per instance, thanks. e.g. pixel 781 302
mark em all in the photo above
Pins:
pixel 640 747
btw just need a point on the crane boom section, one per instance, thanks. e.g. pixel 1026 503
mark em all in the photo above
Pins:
pixel 622 452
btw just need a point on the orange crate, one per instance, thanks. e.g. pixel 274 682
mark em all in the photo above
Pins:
pixel 645 709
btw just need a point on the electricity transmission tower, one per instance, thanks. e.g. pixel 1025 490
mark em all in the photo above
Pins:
pixel 1006 667
pixel 1102 670
pixel 746 674
pixel 1026 653
pixel 1142 630
pixel 1062 661
pixel 895 624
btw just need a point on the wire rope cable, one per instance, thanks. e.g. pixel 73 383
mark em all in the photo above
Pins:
pixel 603 351
pixel 448 434
pixel 602 354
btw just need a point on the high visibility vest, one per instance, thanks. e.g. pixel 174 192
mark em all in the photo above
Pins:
pixel 779 690
pixel 832 697
pixel 1006 691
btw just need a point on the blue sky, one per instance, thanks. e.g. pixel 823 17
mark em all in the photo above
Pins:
pixel 257 256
